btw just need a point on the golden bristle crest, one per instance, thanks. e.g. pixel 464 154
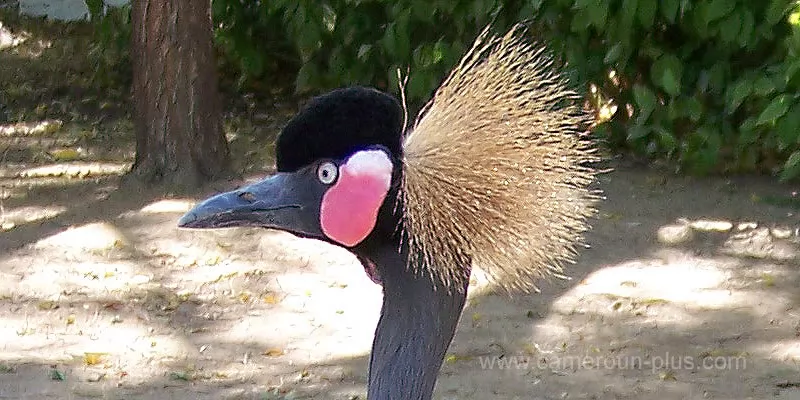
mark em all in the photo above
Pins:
pixel 497 168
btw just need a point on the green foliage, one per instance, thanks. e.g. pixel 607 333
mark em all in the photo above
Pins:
pixel 252 42
pixel 110 48
pixel 345 42
pixel 711 84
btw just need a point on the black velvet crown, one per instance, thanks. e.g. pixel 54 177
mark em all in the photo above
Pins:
pixel 338 124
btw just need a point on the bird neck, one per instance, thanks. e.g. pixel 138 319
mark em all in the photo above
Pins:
pixel 417 323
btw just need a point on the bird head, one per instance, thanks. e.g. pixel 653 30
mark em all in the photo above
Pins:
pixel 338 171
pixel 494 172
pixel 339 175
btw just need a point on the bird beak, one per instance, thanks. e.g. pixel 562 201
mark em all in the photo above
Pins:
pixel 286 201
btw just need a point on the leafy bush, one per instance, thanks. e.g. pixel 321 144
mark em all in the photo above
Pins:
pixel 711 85
pixel 110 50
pixel 252 43
pixel 344 42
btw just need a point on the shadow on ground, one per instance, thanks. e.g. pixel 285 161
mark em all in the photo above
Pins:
pixel 130 307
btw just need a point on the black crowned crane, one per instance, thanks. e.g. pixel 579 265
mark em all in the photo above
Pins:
pixel 494 172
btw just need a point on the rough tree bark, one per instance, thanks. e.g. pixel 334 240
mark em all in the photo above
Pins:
pixel 179 138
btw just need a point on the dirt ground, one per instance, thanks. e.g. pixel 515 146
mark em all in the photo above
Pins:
pixel 689 289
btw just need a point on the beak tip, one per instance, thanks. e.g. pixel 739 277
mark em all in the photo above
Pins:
pixel 187 220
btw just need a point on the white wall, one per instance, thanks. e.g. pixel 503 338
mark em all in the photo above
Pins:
pixel 60 9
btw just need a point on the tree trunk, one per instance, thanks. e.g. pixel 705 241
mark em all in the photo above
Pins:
pixel 179 138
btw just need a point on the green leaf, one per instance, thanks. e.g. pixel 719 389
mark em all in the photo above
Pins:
pixel 598 15
pixel 581 21
pixel 646 100
pixel 612 55
pixel 637 132
pixel 792 70
pixel 748 135
pixel 736 94
pixel 788 128
pixel 667 72
pixel 363 51
pixel 716 9
pixel 628 11
pixel 776 109
pixel 748 125
pixel 253 62
pixel 791 168
pixel 417 85
pixel 402 34
pixel 440 49
pixel 389 41
pixel 718 79
pixel 685 107
pixel 706 143
pixel 746 28
pixel 650 50
pixel 420 11
pixel 729 28
pixel 180 376
pixel 669 9
pixel 666 139
pixel 218 8
pixel 306 77
pixel 309 41
pixel 623 34
pixel 694 109
pixel 647 12
pixel 57 375
pixel 699 23
pixel 763 86
pixel 95 8
pixel 776 10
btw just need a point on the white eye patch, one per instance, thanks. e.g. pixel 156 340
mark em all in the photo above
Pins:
pixel 371 162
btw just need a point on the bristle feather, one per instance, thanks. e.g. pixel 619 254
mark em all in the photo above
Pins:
pixel 497 168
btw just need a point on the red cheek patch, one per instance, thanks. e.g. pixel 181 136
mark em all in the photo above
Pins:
pixel 350 207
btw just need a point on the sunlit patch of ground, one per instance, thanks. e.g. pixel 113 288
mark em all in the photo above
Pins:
pixel 9 39
pixel 17 216
pixel 129 306
pixel 30 128
pixel 75 170
pixel 687 292
pixel 199 307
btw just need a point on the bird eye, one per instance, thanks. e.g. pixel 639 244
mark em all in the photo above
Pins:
pixel 327 173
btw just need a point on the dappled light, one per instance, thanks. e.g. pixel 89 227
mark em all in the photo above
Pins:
pixel 246 311
pixel 688 288
pixel 168 300
pixel 689 281
pixel 76 169
pixel 168 206
pixel 23 215
pixel 9 39
pixel 786 351
pixel 96 236
pixel 205 311
pixel 30 128
pixel 22 43
pixel 710 226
